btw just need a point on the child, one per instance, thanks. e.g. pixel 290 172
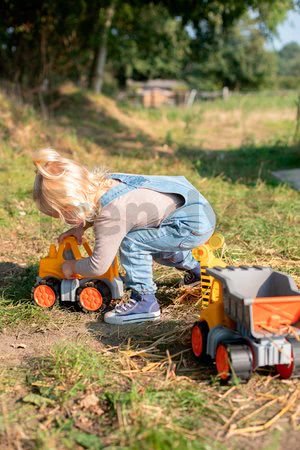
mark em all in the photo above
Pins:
pixel 146 218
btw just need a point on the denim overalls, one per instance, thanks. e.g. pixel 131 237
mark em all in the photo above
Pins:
pixel 170 244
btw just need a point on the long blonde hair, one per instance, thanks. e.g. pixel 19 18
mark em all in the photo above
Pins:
pixel 66 189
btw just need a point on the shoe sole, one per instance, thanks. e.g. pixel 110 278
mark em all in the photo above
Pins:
pixel 123 320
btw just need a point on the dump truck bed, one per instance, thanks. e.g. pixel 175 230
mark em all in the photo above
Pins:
pixel 262 300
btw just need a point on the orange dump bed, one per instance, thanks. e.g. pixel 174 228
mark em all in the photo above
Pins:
pixel 276 314
pixel 263 301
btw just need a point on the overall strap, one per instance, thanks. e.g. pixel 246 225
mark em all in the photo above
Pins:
pixel 128 183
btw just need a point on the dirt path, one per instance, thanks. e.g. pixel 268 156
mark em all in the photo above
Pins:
pixel 17 346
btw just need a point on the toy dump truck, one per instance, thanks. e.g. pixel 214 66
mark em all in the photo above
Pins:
pixel 250 317
pixel 254 321
pixel 91 294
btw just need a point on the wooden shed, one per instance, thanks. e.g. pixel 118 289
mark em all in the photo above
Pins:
pixel 155 93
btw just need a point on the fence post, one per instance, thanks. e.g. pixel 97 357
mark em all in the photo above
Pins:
pixel 297 129
pixel 225 93
pixel 191 97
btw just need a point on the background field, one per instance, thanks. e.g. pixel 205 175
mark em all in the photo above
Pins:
pixel 67 379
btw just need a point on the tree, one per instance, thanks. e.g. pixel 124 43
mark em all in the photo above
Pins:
pixel 101 53
pixel 42 39
pixel 55 40
pixel 239 60
pixel 289 60
pixel 289 66
pixel 146 42
pixel 151 40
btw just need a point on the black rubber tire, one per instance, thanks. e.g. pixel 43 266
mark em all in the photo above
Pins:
pixel 240 361
pixel 201 327
pixel 296 355
pixel 104 291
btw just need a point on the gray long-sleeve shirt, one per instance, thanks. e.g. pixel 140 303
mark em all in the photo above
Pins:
pixel 140 208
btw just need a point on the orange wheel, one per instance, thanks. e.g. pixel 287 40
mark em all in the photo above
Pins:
pixel 292 369
pixel 285 371
pixel 44 296
pixel 199 339
pixel 197 344
pixel 90 299
pixel 222 362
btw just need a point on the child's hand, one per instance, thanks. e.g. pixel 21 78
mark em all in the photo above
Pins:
pixel 68 268
pixel 77 232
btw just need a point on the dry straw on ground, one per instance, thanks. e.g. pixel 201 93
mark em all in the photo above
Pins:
pixel 240 410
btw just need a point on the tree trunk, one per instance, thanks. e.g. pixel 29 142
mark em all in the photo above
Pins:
pixel 97 80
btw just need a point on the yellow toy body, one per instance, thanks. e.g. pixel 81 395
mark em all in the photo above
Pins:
pixel 50 266
pixel 205 254
pixel 91 294
pixel 249 317
pixel 212 307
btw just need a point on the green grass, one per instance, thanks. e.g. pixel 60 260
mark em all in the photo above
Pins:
pixel 16 306
pixel 123 413
pixel 243 119
pixel 262 101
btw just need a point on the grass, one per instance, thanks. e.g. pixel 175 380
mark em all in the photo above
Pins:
pixel 264 100
pixel 222 125
pixel 16 306
pixel 77 396
pixel 147 391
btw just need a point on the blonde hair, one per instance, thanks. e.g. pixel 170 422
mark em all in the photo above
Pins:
pixel 66 189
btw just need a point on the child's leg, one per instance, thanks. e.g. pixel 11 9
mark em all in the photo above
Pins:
pixel 182 260
pixel 175 237
pixel 168 245
pixel 189 227
pixel 136 258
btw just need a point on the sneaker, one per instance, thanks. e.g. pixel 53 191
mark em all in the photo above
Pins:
pixel 139 308
pixel 192 277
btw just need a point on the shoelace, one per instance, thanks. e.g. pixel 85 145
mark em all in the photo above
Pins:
pixel 123 307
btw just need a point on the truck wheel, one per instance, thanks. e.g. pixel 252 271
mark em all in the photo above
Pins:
pixel 45 293
pixel 291 370
pixel 234 360
pixel 93 296
pixel 199 339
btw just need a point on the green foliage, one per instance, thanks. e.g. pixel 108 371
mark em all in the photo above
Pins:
pixel 271 14
pixel 289 66
pixel 41 40
pixel 86 440
pixel 45 43
pixel 238 60
pixel 147 42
